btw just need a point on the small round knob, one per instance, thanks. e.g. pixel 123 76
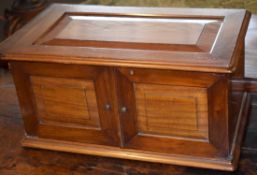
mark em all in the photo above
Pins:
pixel 131 72
pixel 107 106
pixel 123 109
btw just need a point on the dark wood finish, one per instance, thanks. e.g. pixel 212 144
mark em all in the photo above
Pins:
pixel 66 105
pixel 16 160
pixel 56 22
pixel 134 83
pixel 171 105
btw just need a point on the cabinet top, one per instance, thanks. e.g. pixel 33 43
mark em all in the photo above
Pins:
pixel 209 40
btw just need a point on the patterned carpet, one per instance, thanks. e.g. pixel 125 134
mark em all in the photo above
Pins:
pixel 251 5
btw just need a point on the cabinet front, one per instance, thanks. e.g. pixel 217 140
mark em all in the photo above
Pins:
pixel 71 103
pixel 173 112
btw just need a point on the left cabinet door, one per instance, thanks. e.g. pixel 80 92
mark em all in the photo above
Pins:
pixel 66 102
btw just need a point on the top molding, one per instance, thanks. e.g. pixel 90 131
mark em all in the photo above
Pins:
pixel 208 40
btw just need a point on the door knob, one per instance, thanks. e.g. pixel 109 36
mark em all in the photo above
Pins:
pixel 123 109
pixel 107 107
pixel 131 72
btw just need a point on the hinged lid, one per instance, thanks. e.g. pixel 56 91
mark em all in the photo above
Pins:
pixel 166 38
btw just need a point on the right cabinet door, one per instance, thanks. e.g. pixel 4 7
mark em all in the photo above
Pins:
pixel 174 112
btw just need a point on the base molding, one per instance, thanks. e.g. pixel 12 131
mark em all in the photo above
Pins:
pixel 106 151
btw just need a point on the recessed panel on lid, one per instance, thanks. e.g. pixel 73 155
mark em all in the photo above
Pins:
pixel 133 32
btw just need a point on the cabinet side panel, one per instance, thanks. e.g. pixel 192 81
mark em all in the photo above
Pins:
pixel 219 115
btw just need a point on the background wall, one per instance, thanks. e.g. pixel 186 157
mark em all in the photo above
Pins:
pixel 3 5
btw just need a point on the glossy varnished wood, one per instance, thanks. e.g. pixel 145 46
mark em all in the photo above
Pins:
pixel 121 132
pixel 199 34
pixel 209 52
pixel 156 103
pixel 16 160
pixel 66 101
pixel 158 98
pixel 53 109
pixel 148 96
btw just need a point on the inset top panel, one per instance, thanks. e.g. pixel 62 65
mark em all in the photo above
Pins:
pixel 208 40
pixel 133 32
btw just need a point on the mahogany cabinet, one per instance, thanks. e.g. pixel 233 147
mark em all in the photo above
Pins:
pixel 151 84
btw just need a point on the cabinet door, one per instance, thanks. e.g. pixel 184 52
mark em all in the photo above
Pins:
pixel 174 112
pixel 66 102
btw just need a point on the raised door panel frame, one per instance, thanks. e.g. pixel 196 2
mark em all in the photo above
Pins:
pixel 63 101
pixel 171 110
pixel 42 105
pixel 204 87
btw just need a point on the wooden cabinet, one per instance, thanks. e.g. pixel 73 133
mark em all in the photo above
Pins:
pixel 152 84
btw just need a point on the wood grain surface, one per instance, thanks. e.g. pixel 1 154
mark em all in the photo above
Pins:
pixel 59 37
pixel 16 160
